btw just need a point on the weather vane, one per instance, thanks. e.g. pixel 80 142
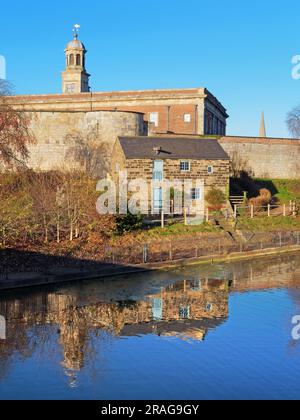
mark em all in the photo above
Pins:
pixel 76 28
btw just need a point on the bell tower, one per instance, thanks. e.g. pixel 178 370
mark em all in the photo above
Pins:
pixel 75 78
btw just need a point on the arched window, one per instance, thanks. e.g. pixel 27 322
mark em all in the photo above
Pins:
pixel 72 60
pixel 78 60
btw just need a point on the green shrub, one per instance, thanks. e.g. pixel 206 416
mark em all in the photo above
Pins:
pixel 129 223
pixel 216 198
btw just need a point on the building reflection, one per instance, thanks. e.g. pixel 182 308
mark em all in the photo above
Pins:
pixel 186 310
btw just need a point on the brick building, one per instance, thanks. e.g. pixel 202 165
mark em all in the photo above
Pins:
pixel 172 159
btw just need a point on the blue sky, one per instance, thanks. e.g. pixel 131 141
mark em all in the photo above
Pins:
pixel 240 50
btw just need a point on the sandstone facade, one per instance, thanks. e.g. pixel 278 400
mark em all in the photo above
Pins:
pixel 76 139
pixel 264 157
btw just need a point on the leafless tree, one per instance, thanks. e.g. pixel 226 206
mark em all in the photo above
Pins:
pixel 15 135
pixel 89 152
pixel 293 122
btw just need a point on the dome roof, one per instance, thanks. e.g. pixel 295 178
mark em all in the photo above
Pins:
pixel 75 44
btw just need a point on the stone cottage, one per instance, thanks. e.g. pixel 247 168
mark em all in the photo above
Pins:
pixel 200 163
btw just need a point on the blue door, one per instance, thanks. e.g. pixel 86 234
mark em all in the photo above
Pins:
pixel 158 176
pixel 158 199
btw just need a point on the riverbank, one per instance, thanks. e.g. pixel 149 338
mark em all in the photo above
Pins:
pixel 28 280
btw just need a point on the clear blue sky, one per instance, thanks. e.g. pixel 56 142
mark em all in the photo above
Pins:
pixel 240 50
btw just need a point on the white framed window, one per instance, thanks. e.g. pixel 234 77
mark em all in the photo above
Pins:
pixel 154 118
pixel 187 118
pixel 210 170
pixel 195 193
pixel 184 312
pixel 185 166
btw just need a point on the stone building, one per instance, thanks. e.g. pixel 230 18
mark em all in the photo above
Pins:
pixel 59 122
pixel 173 159
pixel 68 125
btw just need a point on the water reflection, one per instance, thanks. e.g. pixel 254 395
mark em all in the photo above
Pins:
pixel 184 305
pixel 185 309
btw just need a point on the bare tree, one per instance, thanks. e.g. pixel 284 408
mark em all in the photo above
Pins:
pixel 293 122
pixel 15 135
pixel 90 152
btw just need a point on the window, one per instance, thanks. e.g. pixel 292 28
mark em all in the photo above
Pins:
pixel 187 118
pixel 72 60
pixel 209 307
pixel 158 170
pixel 210 170
pixel 78 60
pixel 184 312
pixel 154 118
pixel 195 193
pixel 195 285
pixel 157 309
pixel 185 166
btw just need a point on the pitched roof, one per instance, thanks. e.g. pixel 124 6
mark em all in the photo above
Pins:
pixel 172 148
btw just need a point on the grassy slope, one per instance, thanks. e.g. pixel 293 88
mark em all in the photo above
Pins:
pixel 284 190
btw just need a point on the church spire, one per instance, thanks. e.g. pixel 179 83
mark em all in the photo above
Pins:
pixel 262 131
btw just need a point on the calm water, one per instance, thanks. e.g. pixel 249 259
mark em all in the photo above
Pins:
pixel 203 332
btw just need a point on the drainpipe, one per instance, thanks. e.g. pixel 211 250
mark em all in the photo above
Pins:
pixel 196 120
pixel 168 118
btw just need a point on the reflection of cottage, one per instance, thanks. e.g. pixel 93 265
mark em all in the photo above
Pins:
pixel 187 309
pixel 172 159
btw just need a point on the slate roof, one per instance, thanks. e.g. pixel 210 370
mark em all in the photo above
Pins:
pixel 172 148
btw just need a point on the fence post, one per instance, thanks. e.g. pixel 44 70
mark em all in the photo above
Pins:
pixel 145 254
pixel 235 211
pixel 269 210
pixel 280 240
pixel 252 211
pixel 207 215
pixel 284 210
pixel 171 251
pixel 162 219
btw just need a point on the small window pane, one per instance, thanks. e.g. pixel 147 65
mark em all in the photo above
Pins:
pixel 154 118
pixel 184 312
pixel 210 169
pixel 185 166
pixel 187 118
pixel 195 193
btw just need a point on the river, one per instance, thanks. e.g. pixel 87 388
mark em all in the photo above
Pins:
pixel 221 331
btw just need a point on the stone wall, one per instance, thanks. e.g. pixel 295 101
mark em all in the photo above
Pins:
pixel 171 105
pixel 79 139
pixel 264 157
pixel 143 169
